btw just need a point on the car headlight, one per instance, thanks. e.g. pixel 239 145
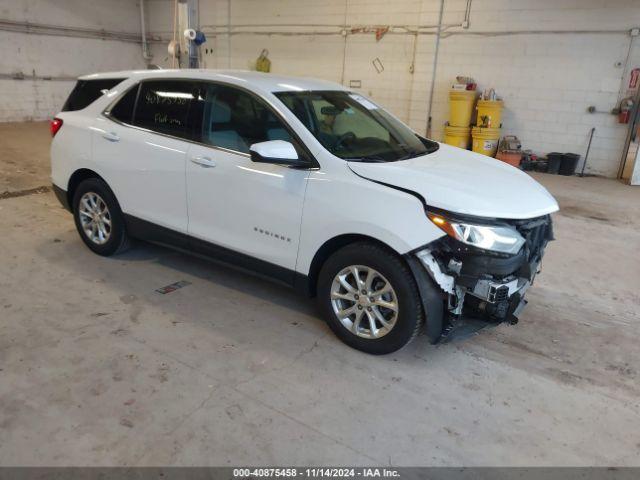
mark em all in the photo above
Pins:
pixel 498 238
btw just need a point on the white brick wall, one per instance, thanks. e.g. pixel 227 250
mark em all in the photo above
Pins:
pixel 57 56
pixel 28 100
pixel 547 80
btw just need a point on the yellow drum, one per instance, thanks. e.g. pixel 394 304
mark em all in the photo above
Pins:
pixel 485 140
pixel 457 136
pixel 489 113
pixel 461 107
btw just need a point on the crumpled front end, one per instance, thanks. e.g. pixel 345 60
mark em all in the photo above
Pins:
pixel 481 286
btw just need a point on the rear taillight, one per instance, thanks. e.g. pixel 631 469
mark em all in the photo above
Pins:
pixel 55 125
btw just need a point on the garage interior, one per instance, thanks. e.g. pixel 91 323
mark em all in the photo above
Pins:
pixel 98 368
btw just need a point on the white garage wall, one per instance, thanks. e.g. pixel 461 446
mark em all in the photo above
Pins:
pixel 55 61
pixel 547 79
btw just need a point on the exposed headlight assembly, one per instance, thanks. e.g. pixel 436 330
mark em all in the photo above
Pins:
pixel 498 238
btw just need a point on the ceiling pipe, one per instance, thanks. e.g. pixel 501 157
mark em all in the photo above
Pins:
pixel 433 70
pixel 61 31
pixel 194 24
pixel 143 31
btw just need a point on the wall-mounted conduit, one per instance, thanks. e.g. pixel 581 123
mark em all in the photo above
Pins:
pixel 349 30
pixel 22 76
pixel 61 31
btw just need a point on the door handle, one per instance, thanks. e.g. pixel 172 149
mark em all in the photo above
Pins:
pixel 111 136
pixel 203 161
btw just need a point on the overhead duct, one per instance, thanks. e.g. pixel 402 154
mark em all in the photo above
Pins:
pixel 143 32
pixel 192 25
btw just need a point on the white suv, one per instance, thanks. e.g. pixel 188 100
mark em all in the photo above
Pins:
pixel 307 183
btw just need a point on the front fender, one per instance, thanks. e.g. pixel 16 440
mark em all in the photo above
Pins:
pixel 341 203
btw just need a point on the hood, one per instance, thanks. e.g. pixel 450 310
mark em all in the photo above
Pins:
pixel 465 182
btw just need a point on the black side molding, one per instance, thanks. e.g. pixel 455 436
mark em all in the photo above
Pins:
pixel 150 232
pixel 61 195
pixel 153 233
pixel 242 261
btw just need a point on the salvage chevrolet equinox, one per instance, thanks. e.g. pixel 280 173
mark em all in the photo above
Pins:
pixel 310 184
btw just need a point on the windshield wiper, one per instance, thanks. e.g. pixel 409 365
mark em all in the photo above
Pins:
pixel 412 154
pixel 367 159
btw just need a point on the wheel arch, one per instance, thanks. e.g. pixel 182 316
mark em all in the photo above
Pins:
pixel 331 246
pixel 78 177
pixel 431 296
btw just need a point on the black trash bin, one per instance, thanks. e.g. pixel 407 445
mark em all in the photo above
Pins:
pixel 540 166
pixel 554 160
pixel 569 164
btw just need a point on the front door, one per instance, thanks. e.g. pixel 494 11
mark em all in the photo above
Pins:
pixel 249 212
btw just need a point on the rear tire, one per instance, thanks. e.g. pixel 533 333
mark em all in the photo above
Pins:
pixel 98 218
pixel 378 312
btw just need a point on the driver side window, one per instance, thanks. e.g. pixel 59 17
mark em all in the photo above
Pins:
pixel 235 120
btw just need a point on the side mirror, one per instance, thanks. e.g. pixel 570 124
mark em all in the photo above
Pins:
pixel 275 151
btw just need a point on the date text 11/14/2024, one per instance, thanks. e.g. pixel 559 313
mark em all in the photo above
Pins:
pixel 316 472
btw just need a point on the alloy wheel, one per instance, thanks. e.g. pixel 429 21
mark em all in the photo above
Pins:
pixel 95 218
pixel 364 301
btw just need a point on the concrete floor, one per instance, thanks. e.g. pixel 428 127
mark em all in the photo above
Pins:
pixel 98 368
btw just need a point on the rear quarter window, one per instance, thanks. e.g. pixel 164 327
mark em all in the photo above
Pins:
pixel 123 109
pixel 88 91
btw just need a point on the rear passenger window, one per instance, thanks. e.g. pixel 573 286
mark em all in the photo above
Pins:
pixel 163 106
pixel 123 110
pixel 235 120
pixel 87 91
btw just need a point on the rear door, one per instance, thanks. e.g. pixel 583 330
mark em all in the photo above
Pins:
pixel 142 144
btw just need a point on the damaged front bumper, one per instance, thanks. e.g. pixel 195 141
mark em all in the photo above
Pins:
pixel 480 288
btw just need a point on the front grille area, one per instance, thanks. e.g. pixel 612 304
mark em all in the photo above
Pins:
pixel 498 294
pixel 477 263
pixel 536 232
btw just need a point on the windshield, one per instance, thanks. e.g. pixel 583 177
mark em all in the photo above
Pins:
pixel 353 128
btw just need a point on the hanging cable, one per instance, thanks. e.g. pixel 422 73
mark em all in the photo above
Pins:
pixel 175 34
pixel 433 72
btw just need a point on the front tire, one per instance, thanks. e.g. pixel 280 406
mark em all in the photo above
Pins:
pixel 98 218
pixel 370 298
